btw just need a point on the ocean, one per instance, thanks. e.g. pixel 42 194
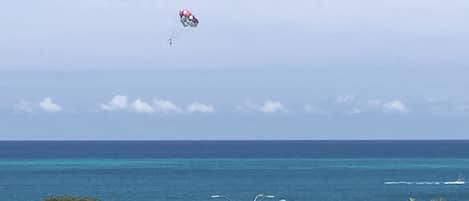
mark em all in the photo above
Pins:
pixel 194 170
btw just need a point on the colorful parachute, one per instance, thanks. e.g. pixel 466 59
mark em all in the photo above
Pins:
pixel 187 19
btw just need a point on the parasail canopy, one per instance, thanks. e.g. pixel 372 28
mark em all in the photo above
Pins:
pixel 187 19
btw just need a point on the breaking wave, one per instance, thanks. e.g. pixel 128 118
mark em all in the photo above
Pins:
pixel 418 183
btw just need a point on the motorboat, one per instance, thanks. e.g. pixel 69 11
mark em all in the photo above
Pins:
pixel 459 181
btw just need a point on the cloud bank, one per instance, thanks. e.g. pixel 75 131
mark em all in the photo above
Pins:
pixel 268 106
pixel 166 106
pixel 48 106
pixel 395 106
pixel 157 106
pixel 140 106
pixel 118 102
pixel 199 107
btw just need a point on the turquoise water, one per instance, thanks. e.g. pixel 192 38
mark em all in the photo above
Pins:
pixel 308 179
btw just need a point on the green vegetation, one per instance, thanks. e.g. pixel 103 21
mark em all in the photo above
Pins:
pixel 69 198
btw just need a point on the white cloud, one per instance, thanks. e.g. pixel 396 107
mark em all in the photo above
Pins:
pixel 314 109
pixel 272 106
pixel 120 102
pixel 140 106
pixel 395 106
pixel 23 106
pixel 49 106
pixel 199 107
pixel 117 103
pixel 267 107
pixel 344 99
pixel 165 106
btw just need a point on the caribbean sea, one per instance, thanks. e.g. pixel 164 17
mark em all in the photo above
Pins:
pixel 194 170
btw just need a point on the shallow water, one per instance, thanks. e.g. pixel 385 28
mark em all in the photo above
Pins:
pixel 196 179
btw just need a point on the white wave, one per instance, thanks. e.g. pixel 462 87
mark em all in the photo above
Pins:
pixel 459 181
pixel 454 183
pixel 397 182
pixel 412 183
pixel 427 183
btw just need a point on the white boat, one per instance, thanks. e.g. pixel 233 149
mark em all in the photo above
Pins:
pixel 460 181
pixel 457 182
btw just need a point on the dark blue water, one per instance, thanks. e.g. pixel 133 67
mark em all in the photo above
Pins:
pixel 234 149
pixel 194 170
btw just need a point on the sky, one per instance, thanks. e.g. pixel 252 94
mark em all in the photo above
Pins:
pixel 336 69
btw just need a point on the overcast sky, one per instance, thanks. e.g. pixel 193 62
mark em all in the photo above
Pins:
pixel 264 69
